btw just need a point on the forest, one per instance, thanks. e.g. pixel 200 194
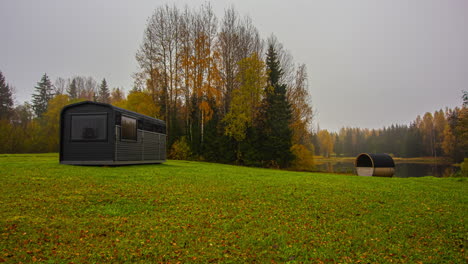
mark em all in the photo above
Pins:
pixel 227 95
pixel 441 134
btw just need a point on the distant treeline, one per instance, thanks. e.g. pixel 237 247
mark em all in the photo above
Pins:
pixel 227 96
pixel 444 133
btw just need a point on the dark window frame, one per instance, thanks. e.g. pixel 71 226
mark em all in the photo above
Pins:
pixel 121 129
pixel 90 114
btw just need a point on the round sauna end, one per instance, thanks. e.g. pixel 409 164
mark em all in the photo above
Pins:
pixel 375 165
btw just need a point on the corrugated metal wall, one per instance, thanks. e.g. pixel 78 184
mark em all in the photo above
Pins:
pixel 149 146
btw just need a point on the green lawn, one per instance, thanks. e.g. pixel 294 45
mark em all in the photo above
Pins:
pixel 193 212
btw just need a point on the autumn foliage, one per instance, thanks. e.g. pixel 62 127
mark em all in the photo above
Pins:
pixel 210 80
pixel 439 134
pixel 226 95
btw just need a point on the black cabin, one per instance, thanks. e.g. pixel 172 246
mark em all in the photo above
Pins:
pixel 101 134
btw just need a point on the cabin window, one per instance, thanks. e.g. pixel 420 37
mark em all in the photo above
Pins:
pixel 140 124
pixel 118 118
pixel 129 128
pixel 89 127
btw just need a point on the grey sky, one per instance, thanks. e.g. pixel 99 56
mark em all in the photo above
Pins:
pixel 371 63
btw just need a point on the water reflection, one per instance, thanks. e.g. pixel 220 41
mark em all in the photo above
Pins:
pixel 402 170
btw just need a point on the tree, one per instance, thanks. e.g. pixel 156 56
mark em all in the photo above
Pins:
pixel 23 114
pixel 462 131
pixel 413 141
pixel 14 134
pixel 276 116
pixel 449 141
pixel 73 90
pixel 6 99
pixel 465 98
pixel 44 92
pixel 427 130
pixel 51 125
pixel 326 143
pixel 190 66
pixel 236 40
pixel 301 120
pixel 247 99
pixel 103 94
pixel 204 74
pixel 159 60
pixel 116 95
pixel 141 102
pixel 304 158
pixel 87 87
pixel 7 129
pixel 60 85
pixel 439 127
pixel 82 87
pixel 6 136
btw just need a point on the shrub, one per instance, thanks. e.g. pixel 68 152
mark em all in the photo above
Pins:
pixel 464 168
pixel 463 172
pixel 180 150
pixel 304 158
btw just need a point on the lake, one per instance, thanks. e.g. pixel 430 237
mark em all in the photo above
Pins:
pixel 402 169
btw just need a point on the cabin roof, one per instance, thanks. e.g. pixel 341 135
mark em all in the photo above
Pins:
pixel 115 108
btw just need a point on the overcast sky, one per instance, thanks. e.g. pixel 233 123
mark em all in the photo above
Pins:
pixel 371 63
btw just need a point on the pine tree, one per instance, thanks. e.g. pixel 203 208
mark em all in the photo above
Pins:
pixel 73 90
pixel 465 98
pixel 276 117
pixel 44 92
pixel 6 99
pixel 104 93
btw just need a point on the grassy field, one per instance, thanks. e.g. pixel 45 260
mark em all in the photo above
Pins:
pixel 192 212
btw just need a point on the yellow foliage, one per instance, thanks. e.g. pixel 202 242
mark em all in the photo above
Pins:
pixel 52 121
pixel 246 100
pixel 326 142
pixel 301 110
pixel 448 143
pixel 121 103
pixel 236 125
pixel 464 168
pixel 180 150
pixel 304 158
pixel 6 137
pixel 140 102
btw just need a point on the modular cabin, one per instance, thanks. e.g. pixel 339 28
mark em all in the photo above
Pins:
pixel 375 165
pixel 101 134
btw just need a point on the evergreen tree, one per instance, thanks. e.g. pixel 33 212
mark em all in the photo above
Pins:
pixel 73 90
pixel 104 93
pixel 44 92
pixel 465 98
pixel 6 99
pixel 275 117
pixel 217 147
